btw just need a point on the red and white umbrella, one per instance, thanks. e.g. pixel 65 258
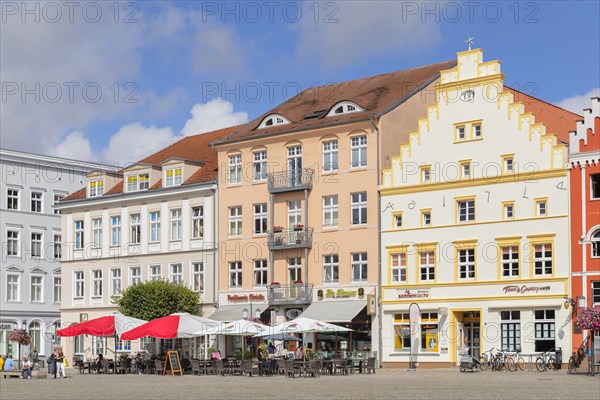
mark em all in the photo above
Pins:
pixel 178 325
pixel 242 327
pixel 114 324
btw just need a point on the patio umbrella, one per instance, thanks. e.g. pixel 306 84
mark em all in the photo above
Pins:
pixel 307 325
pixel 243 327
pixel 178 325
pixel 282 336
pixel 109 325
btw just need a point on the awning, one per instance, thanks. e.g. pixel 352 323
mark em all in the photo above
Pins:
pixel 229 313
pixel 334 311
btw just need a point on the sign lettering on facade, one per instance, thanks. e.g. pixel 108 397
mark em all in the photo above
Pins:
pixel 415 294
pixel 237 298
pixel 524 289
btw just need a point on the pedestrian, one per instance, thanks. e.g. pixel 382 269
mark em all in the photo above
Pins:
pixel 9 363
pixel 60 359
pixel 52 364
pixel 26 368
pixel 34 356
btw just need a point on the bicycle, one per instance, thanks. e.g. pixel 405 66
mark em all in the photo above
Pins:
pixel 500 362
pixel 544 362
pixel 516 361
pixel 485 360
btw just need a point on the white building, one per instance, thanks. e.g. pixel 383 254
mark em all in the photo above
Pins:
pixel 475 223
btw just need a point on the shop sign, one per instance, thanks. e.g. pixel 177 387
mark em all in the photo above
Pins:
pixel 525 289
pixel 238 298
pixel 293 313
pixel 339 294
pixel 415 294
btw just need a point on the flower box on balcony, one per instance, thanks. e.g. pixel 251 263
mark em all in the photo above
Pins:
pixel 298 283
pixel 298 227
pixel 275 284
pixel 277 229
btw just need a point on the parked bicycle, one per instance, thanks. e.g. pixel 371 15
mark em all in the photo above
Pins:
pixel 516 361
pixel 486 359
pixel 577 357
pixel 545 362
pixel 501 361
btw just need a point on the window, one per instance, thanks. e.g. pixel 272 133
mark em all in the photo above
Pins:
pixel 12 243
pixel 57 289
pixel 176 224
pixel 79 345
pixel 542 259
pixel 135 275
pixel 466 210
pixel 331 268
pixel 508 210
pixel 508 163
pixel 235 274
pixel 466 263
pixel 78 283
pixel 115 282
pixel 397 220
pixel 36 202
pixel 595 292
pixel 330 211
pixel 544 330
pixel 510 261
pixel 294 273
pixel 402 332
pixel 37 289
pixel 460 133
pixel 595 244
pixel 136 229
pixel 476 130
pixel 330 155
pixel 96 188
pixel 260 218
pixel 427 266
pixel 176 273
pixel 98 345
pixel 273 119
pixel 426 174
pixel 35 330
pixel 79 234
pixel 235 221
pixel 12 199
pixel 13 287
pixel 115 230
pixel 541 207
pixel 260 165
pixel 155 226
pixel 155 273
pixel 260 273
pixel 174 177
pixel 426 217
pixel 97 232
pixel 344 108
pixel 398 268
pixel 359 267
pixel 137 182
pixel 197 222
pixel 235 169
pixel 198 277
pixel 359 208
pixel 465 169
pixel 510 327
pixel 358 147
pixel 429 332
pixel 595 186
pixel 97 283
pixel 57 247
pixel 36 244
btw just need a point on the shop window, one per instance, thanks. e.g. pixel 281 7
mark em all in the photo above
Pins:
pixel 429 332
pixel 402 332
pixel 544 330
pixel 510 326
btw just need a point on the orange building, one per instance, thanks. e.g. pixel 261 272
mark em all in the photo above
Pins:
pixel 584 162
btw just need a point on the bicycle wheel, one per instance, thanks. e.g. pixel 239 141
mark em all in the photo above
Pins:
pixel 521 363
pixel 572 364
pixel 552 364
pixel 540 364
pixel 510 364
pixel 485 364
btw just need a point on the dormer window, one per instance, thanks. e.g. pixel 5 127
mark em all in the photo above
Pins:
pixel 272 120
pixel 96 188
pixel 173 177
pixel 344 107
pixel 138 182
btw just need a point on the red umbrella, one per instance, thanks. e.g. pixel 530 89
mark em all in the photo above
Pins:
pixel 103 326
pixel 178 325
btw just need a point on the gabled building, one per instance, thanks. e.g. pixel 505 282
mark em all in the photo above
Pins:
pixel 298 202
pixel 475 223
pixel 155 219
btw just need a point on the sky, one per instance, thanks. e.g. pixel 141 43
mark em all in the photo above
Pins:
pixel 113 81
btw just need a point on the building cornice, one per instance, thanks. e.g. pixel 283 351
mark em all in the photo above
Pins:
pixel 82 166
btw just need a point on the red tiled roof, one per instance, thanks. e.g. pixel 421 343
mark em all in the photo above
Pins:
pixel 558 121
pixel 194 148
pixel 375 94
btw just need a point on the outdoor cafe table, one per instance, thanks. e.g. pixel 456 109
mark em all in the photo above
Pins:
pixel 301 364
pixel 205 365
pixel 330 365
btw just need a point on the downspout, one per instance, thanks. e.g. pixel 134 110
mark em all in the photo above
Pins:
pixel 379 273
pixel 216 269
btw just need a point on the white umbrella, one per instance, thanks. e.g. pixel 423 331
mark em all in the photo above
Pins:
pixel 242 327
pixel 305 325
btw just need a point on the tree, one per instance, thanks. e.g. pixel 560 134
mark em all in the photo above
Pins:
pixel 156 299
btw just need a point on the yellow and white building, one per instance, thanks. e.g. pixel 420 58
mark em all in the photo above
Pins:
pixel 475 223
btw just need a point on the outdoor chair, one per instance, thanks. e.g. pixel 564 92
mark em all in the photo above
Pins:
pixel 248 368
pixel 195 365
pixel 313 369
pixel 280 367
pixel 344 366
pixel 370 366
pixel 235 368
pixel 290 371
pixel 219 367
pixel 158 367
pixel 272 368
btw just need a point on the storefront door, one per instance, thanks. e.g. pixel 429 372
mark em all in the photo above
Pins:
pixel 471 334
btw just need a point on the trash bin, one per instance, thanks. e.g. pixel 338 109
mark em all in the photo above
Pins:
pixel 558 352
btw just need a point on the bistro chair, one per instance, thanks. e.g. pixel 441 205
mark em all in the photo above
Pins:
pixel 158 367
pixel 313 369
pixel 195 365
pixel 290 371
pixel 219 367
pixel 370 366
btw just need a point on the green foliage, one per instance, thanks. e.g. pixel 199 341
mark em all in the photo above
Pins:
pixel 156 299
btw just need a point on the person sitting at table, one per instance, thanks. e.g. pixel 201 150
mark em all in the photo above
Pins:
pixel 26 368
pixel 98 363
pixel 139 363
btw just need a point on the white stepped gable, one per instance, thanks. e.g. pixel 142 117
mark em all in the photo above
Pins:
pixel 589 115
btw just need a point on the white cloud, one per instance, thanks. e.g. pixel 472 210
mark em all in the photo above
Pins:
pixel 577 103
pixel 215 114
pixel 135 141
pixel 75 146
pixel 363 29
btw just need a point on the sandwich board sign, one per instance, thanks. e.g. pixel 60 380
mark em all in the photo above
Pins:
pixel 172 363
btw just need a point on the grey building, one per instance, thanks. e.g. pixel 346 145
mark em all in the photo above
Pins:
pixel 30 274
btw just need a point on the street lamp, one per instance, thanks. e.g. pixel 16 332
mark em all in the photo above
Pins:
pixel 577 303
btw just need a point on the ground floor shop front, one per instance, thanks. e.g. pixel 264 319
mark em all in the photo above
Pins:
pixel 41 327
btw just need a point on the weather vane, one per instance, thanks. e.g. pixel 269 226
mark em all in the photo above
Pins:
pixel 470 40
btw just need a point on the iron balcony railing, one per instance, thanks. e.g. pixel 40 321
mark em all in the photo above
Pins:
pixel 288 181
pixel 296 293
pixel 295 238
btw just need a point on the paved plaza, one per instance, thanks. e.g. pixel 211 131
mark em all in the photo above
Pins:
pixel 385 384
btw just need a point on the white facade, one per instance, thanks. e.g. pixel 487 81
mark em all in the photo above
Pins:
pixel 475 226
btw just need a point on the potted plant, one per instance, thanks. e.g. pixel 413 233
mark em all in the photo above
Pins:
pixel 275 284
pixel 277 229
pixel 20 336
pixel 298 227
pixel 298 282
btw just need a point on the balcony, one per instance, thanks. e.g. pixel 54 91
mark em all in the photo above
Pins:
pixel 290 239
pixel 290 181
pixel 298 293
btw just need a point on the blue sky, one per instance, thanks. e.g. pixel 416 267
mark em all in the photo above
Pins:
pixel 191 67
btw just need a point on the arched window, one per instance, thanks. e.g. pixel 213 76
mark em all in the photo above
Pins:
pixel 596 244
pixel 272 120
pixel 54 337
pixel 345 107
pixel 35 330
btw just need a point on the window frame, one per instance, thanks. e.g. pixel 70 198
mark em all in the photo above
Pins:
pixel 234 175
pixel 37 243
pixel 595 186
pixel 176 224
pixel 173 177
pixel 510 321
pixel 505 205
pixel 16 284
pixel 426 215
pixel 361 206
pixel 97 231
pixel 260 217
pixel 329 154
pixel 79 234
pixel 93 282
pixel 137 278
pixel 154 218
pixel 397 215
pixel 96 188
pixel 235 218
pixel 331 211
pixel 259 165
pixel 56 246
pixel 114 279
pixel 14 200
pixel 398 268
pixel 359 147
pixel 260 273
pixel 39 202
pixel 56 289
pixel 78 285
pixel 197 273
pixel 538 204
pixel 235 274
pixel 362 263
pixel 152 275
pixel 198 222
pixel 13 243
pixel 176 274
pixel 331 268
pixel 429 268
pixel 469 217
pixel 135 228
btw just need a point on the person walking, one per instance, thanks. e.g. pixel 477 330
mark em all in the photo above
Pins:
pixel 60 359
pixel 52 364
